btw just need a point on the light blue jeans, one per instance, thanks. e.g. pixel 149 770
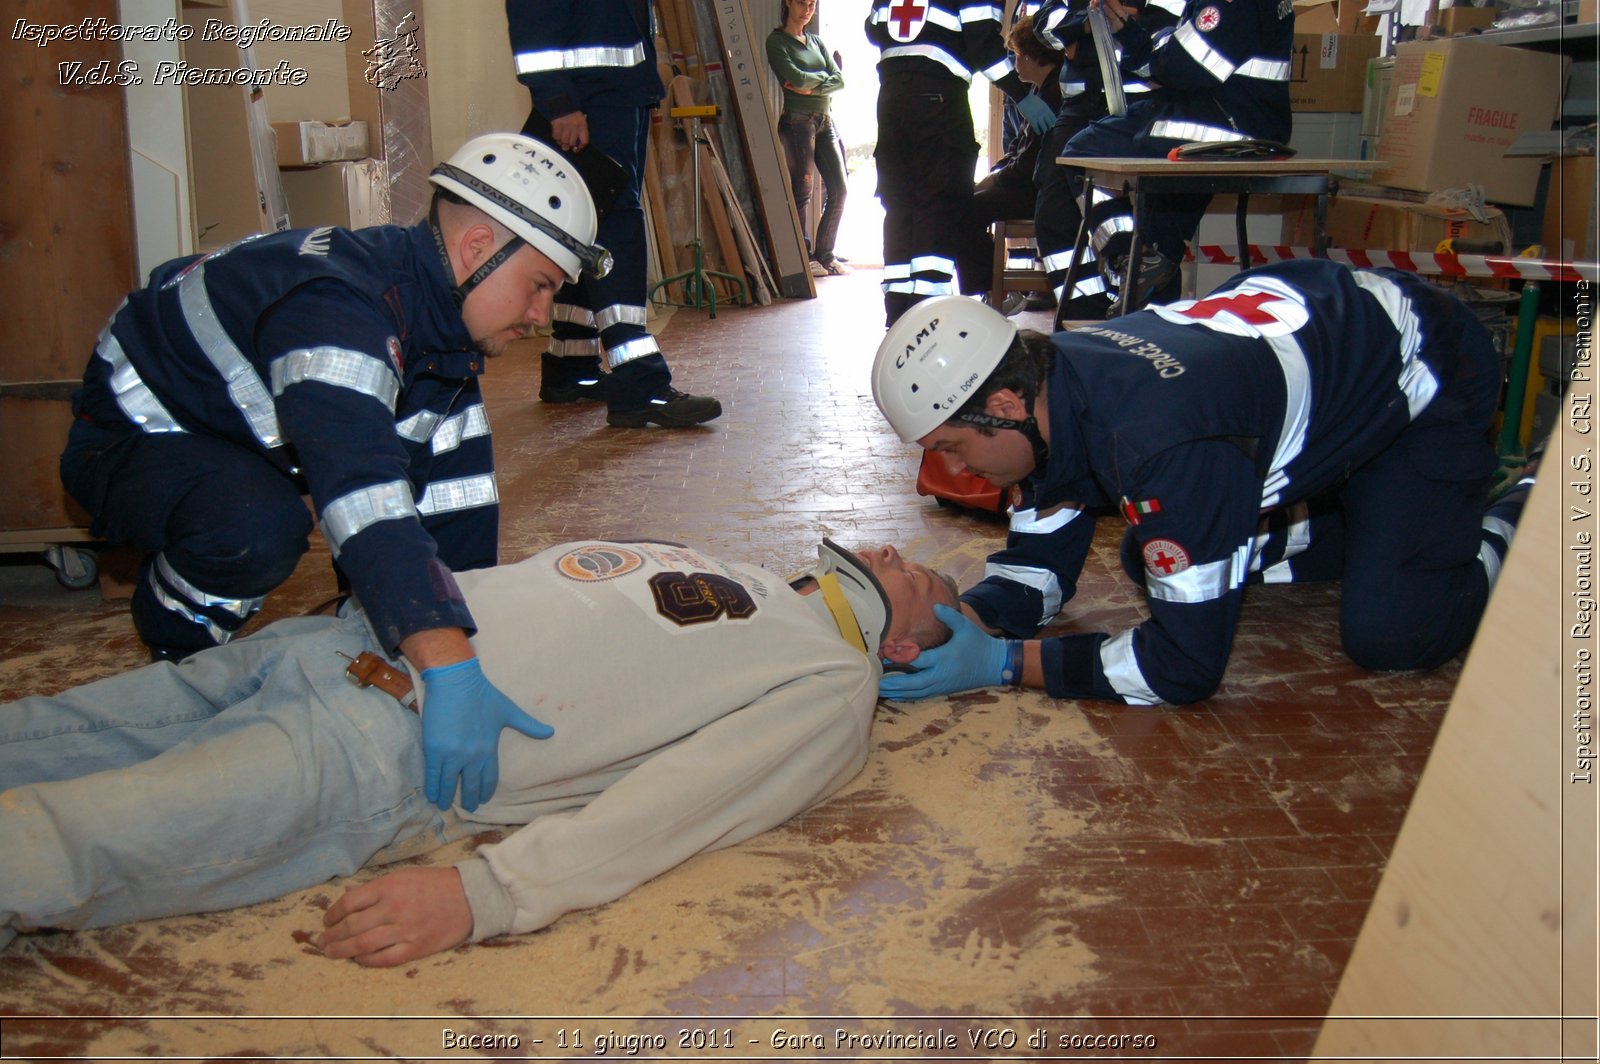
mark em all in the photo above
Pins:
pixel 249 771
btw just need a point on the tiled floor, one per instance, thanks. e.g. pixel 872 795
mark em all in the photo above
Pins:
pixel 1200 873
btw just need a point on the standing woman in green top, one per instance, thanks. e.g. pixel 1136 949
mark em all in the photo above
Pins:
pixel 810 77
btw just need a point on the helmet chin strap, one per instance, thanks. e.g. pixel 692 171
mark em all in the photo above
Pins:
pixel 1029 429
pixel 492 263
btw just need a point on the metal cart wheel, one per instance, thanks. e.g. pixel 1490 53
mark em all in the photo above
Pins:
pixel 75 567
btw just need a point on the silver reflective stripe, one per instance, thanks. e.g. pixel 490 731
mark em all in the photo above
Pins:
pixel 241 608
pixel 1028 522
pixel 1074 88
pixel 996 71
pixel 572 315
pixel 574 58
pixel 1101 234
pixel 638 347
pixel 924 287
pixel 588 347
pixel 1121 668
pixel 1191 131
pixel 619 314
pixel 349 514
pixel 978 13
pixel 418 426
pixel 928 51
pixel 218 633
pixel 1202 583
pixel 1296 415
pixel 339 367
pixel 1263 69
pixel 1190 39
pixel 133 395
pixel 245 387
pixel 463 493
pixel 469 424
pixel 1416 380
pixel 1061 260
pixel 1488 555
pixel 932 264
pixel 896 271
pixel 1041 580
pixel 1172 7
pixel 1297 540
pixel 1092 285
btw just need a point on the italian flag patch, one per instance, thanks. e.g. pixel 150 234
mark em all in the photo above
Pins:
pixel 1135 511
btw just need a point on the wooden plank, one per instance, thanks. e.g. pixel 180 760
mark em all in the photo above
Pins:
pixel 761 283
pixel 656 208
pixel 1482 932
pixel 747 75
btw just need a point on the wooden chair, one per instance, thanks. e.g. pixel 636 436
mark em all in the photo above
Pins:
pixel 1008 279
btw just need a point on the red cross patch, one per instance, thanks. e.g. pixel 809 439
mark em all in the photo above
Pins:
pixel 906 18
pixel 1207 19
pixel 1164 557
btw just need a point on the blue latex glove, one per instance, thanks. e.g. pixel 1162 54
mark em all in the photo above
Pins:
pixel 972 658
pixel 462 716
pixel 1040 115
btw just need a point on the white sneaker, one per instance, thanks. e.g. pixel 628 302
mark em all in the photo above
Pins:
pixel 818 269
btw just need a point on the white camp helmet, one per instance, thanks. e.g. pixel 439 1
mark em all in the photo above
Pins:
pixel 933 359
pixel 842 573
pixel 526 186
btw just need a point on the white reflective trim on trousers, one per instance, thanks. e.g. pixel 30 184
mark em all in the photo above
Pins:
pixel 1090 285
pixel 638 347
pixel 419 426
pixel 1101 234
pixel 470 424
pixel 463 493
pixel 1046 30
pixel 1069 89
pixel 1297 540
pixel 245 386
pixel 577 58
pixel 1202 583
pixel 218 634
pixel 933 264
pixel 1041 580
pixel 921 287
pixel 587 347
pixel 896 271
pixel 928 51
pixel 619 314
pixel 241 608
pixel 1415 379
pixel 339 367
pixel 572 314
pixel 1121 667
pixel 1192 131
pixel 1490 557
pixel 347 515
pixel 132 394
pixel 1190 39
pixel 1263 69
pixel 1296 415
pixel 1060 261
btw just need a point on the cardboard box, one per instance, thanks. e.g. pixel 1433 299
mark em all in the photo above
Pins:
pixel 347 194
pixel 1569 210
pixel 1375 100
pixel 1457 105
pixel 1327 136
pixel 1391 225
pixel 1588 11
pixel 1328 72
pixel 1327 16
pixel 310 143
pixel 1454 21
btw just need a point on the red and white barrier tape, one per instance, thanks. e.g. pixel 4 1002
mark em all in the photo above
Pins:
pixel 1416 262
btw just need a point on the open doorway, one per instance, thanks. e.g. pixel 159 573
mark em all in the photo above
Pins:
pixel 855 111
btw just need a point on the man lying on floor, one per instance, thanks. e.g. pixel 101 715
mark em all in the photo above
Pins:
pixel 694 702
